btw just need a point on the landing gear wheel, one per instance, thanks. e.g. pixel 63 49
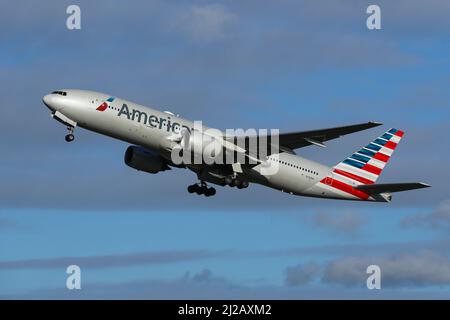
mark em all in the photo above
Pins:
pixel 192 188
pixel 202 190
pixel 210 192
pixel 244 184
pixel 70 137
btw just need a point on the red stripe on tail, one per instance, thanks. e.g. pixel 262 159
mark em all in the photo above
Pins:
pixel 372 169
pixel 381 156
pixel 353 176
pixel 346 188
pixel 399 133
pixel 390 145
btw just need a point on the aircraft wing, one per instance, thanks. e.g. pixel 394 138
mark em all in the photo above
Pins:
pixel 300 139
pixel 294 140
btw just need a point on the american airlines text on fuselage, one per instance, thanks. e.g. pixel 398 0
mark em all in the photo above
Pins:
pixel 151 120
pixel 209 155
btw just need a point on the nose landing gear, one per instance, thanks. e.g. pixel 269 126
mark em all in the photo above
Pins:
pixel 202 188
pixel 70 137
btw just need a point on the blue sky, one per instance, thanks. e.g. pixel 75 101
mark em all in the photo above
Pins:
pixel 292 65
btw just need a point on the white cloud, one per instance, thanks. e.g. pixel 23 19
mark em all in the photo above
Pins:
pixel 399 270
pixel 343 223
pixel 204 22
pixel 439 218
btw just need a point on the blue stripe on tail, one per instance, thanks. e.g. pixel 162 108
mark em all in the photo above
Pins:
pixel 360 157
pixel 353 163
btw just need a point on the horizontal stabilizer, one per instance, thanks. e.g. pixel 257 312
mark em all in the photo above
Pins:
pixel 391 187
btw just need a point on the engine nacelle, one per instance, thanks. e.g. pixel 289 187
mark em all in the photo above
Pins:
pixel 145 160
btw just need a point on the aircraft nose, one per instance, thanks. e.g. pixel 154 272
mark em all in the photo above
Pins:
pixel 49 101
pixel 46 99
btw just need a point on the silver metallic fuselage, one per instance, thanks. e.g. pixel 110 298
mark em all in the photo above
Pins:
pixel 80 106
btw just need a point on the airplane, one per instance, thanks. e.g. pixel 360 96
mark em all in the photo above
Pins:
pixel 154 135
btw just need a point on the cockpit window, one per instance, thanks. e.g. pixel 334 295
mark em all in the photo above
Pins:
pixel 61 93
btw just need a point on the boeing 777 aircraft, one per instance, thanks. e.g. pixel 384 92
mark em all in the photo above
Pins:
pixel 155 135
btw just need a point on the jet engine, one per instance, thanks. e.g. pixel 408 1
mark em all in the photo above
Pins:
pixel 145 160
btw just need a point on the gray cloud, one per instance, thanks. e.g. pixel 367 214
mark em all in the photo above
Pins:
pixel 110 261
pixel 196 286
pixel 200 285
pixel 204 275
pixel 345 223
pixel 302 274
pixel 203 22
pixel 398 270
pixel 156 257
pixel 441 246
pixel 437 219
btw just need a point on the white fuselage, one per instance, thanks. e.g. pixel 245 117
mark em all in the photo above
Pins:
pixel 151 129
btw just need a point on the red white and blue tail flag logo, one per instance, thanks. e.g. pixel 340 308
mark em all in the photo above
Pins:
pixel 366 165
pixel 105 104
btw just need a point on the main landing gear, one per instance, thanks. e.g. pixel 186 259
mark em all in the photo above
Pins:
pixel 70 137
pixel 236 182
pixel 202 188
